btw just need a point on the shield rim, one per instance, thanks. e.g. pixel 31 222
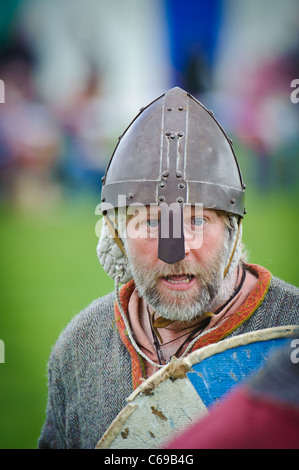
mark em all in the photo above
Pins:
pixel 178 368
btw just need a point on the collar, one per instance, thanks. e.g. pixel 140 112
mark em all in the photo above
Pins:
pixel 209 336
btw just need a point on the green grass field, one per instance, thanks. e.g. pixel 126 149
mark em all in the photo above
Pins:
pixel 49 272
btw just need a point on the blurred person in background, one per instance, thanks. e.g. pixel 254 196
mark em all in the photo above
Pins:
pixel 81 117
pixel 184 288
pixel 267 121
pixel 47 151
pixel 30 136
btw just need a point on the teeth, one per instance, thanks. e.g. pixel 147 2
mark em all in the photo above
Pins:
pixel 187 280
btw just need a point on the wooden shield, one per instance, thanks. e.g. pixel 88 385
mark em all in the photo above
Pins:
pixel 182 391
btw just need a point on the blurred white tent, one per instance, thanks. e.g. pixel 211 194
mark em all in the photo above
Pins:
pixel 125 40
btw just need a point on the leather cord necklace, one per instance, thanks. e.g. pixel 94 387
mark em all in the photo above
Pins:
pixel 197 330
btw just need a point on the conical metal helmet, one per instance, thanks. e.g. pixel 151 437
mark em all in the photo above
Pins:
pixel 174 151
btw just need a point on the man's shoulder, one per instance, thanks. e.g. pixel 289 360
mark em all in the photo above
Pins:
pixel 281 304
pixel 93 313
pixel 87 324
pixel 283 289
pixel 278 305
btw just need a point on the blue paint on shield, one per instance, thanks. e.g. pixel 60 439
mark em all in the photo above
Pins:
pixel 214 376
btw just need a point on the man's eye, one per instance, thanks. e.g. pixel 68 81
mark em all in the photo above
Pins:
pixel 198 221
pixel 153 223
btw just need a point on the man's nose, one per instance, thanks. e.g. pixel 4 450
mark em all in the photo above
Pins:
pixel 187 248
pixel 193 240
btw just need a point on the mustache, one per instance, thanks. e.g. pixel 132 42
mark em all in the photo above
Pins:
pixel 180 269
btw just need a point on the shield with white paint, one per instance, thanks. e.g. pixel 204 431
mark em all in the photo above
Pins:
pixel 182 391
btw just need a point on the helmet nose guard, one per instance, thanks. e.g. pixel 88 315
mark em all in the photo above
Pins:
pixel 171 248
pixel 174 151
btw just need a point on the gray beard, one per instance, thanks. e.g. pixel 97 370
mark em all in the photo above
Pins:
pixel 212 289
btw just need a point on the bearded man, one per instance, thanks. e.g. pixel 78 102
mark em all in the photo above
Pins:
pixel 173 203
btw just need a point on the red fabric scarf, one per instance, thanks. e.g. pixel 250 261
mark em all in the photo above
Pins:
pixel 252 302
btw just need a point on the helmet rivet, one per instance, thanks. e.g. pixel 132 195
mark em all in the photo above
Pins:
pixel 165 173
pixel 244 212
pixel 179 174
pixel 161 198
pixel 172 136
pixel 233 201
pixel 162 184
pixel 180 200
pixel 244 186
pixel 181 134
pixel 180 108
pixel 130 195
pixel 181 185
pixel 169 108
pixel 168 133
pixel 103 199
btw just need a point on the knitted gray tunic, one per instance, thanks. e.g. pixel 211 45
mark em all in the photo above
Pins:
pixel 90 373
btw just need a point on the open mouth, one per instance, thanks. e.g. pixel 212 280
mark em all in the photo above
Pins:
pixel 179 282
pixel 178 279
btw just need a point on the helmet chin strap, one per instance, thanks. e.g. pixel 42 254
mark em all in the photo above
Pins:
pixel 234 249
pixel 114 234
